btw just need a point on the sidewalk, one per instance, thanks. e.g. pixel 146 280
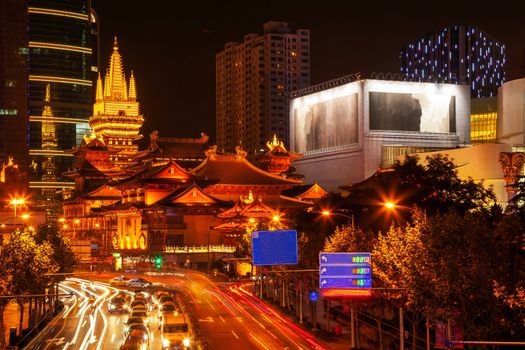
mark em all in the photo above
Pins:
pixel 327 327
pixel 12 319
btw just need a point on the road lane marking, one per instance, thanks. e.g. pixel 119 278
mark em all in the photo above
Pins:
pixel 112 338
pixel 66 346
pixel 83 324
pixel 235 335
pixel 258 341
pixel 213 308
pixel 222 319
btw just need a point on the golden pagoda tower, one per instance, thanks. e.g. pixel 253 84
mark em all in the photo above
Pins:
pixel 116 115
pixel 49 140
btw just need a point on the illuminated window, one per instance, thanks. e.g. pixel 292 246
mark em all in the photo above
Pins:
pixel 483 127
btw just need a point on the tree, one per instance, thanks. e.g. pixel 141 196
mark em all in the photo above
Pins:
pixel 30 265
pixel 400 264
pixel 432 185
pixel 6 287
pixel 62 254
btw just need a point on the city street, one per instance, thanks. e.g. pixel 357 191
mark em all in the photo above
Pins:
pixel 86 322
pixel 227 314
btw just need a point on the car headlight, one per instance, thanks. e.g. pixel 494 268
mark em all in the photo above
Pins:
pixel 186 342
pixel 145 337
pixel 165 342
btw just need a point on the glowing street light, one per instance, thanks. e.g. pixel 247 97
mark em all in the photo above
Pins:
pixel 16 202
pixel 330 213
pixel 390 205
pixel 276 218
pixel 75 223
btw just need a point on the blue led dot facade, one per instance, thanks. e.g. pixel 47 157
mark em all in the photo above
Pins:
pixel 457 54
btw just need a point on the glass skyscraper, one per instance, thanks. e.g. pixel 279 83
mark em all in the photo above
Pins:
pixel 62 69
pixel 13 83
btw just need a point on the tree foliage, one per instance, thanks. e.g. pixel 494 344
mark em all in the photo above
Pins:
pixel 433 185
pixel 400 263
pixel 447 266
pixel 29 263
pixel 62 253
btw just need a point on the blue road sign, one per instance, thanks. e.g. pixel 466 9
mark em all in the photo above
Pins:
pixel 314 296
pixel 350 270
pixel 274 247
pixel 345 283
pixel 345 270
pixel 344 258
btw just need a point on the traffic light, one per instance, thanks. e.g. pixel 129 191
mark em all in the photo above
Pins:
pixel 158 262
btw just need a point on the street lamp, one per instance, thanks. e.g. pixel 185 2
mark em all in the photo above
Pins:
pixel 75 223
pixel 330 213
pixel 16 202
pixel 390 205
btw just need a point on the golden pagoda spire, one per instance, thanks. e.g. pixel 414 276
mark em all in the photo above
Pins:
pixel 49 140
pixel 47 112
pixel 100 93
pixel 117 80
pixel 132 87
pixel 107 92
pixel 48 93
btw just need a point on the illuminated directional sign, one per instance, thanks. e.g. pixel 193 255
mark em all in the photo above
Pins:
pixel 274 247
pixel 345 271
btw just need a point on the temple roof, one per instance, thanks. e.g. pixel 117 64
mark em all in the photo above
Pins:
pixel 236 170
pixel 379 179
pixel 308 192
pixel 189 196
pixel 167 173
pixel 176 148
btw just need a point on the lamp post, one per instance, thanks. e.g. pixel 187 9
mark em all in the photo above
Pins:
pixel 15 202
pixel 75 223
pixel 330 213
pixel 391 206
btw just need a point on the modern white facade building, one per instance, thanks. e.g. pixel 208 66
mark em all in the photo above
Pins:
pixel 347 132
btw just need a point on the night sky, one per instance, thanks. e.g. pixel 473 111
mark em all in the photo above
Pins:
pixel 171 45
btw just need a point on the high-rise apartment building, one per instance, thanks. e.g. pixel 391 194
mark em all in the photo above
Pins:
pixel 459 54
pixel 13 83
pixel 62 68
pixel 253 82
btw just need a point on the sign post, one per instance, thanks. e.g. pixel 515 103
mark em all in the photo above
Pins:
pixel 345 271
pixel 274 247
pixel 346 275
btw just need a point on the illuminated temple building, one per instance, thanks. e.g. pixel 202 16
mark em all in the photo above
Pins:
pixel 179 196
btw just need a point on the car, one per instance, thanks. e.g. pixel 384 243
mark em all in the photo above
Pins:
pixel 131 327
pixel 140 326
pixel 138 283
pixel 132 321
pixel 168 308
pixel 117 305
pixel 175 332
pixel 166 298
pixel 118 281
pixel 138 304
pixel 140 313
pixel 136 339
